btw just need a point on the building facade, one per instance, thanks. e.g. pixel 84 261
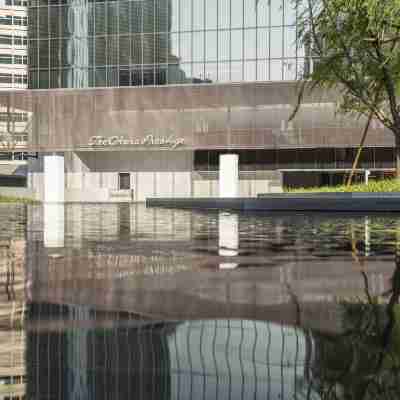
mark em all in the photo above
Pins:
pixel 139 99
pixel 13 73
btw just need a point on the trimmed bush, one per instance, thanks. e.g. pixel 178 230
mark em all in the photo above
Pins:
pixel 8 199
pixel 385 185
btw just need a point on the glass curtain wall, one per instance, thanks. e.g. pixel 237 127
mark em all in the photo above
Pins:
pixel 85 43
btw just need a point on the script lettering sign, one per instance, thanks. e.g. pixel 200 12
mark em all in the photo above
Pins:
pixel 170 141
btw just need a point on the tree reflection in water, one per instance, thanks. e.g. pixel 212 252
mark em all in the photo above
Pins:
pixel 363 363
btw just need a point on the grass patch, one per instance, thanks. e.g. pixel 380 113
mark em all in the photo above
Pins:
pixel 10 199
pixel 385 185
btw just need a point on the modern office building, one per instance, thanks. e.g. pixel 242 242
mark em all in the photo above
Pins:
pixel 135 99
pixel 13 74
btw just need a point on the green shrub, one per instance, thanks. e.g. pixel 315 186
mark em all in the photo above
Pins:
pixel 386 185
pixel 9 199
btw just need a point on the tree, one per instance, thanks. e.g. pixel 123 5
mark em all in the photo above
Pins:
pixel 355 46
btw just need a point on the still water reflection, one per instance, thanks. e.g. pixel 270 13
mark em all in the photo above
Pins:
pixel 120 301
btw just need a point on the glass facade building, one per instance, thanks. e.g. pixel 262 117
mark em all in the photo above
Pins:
pixel 81 43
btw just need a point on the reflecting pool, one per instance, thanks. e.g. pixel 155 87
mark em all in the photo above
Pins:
pixel 123 302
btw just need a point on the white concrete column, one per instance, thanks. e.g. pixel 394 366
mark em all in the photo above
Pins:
pixel 54 225
pixel 228 230
pixel 228 175
pixel 54 178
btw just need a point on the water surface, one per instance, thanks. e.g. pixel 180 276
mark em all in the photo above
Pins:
pixel 120 301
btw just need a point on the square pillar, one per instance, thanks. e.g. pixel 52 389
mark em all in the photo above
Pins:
pixel 54 178
pixel 229 175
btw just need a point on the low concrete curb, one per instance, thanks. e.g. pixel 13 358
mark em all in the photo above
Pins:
pixel 321 202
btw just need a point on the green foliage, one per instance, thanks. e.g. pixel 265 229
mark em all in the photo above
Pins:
pixel 355 45
pixel 8 199
pixel 387 185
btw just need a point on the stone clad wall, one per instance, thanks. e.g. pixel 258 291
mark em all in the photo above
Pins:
pixel 93 177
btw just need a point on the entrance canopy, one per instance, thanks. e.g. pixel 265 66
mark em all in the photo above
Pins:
pixel 216 116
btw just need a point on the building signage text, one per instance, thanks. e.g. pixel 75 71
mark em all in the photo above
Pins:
pixel 168 141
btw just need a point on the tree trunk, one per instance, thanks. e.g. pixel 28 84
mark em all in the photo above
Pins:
pixel 397 155
pixel 360 147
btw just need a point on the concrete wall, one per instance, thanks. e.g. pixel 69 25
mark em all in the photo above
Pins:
pixel 93 177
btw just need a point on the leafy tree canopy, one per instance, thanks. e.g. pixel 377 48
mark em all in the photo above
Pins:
pixel 355 48
pixel 355 45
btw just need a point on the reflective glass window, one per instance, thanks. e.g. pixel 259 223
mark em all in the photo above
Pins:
pixel 250 13
pixel 290 41
pixel 211 71
pixel 237 13
pixel 262 43
pixel 223 71
pixel 186 15
pixel 6 40
pixel 249 70
pixel 211 46
pixel 276 9
pixel 186 47
pixel 263 8
pixel 262 70
pixel 276 42
pixel 236 71
pixel 174 15
pixel 290 12
pixel 237 44
pixel 275 70
pixel 211 16
pixel 198 14
pixel 224 45
pixel 250 43
pixel 198 46
pixel 224 14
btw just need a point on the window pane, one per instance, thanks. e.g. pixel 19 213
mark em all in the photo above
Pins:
pixel 198 14
pixel 276 13
pixel 223 72
pixel 250 15
pixel 236 71
pixel 290 12
pixel 198 46
pixel 224 45
pixel 250 50
pixel 249 70
pixel 290 41
pixel 211 14
pixel 198 71
pixel 174 15
pixel 211 72
pixel 237 13
pixel 186 47
pixel 211 46
pixel 175 50
pixel 262 43
pixel 276 43
pixel 224 13
pixel 186 15
pixel 6 39
pixel 289 69
pixel 276 70
pixel 237 45
pixel 262 70
pixel 263 13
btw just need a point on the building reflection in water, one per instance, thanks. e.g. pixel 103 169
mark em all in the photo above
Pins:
pixel 12 302
pixel 80 354
pixel 54 225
